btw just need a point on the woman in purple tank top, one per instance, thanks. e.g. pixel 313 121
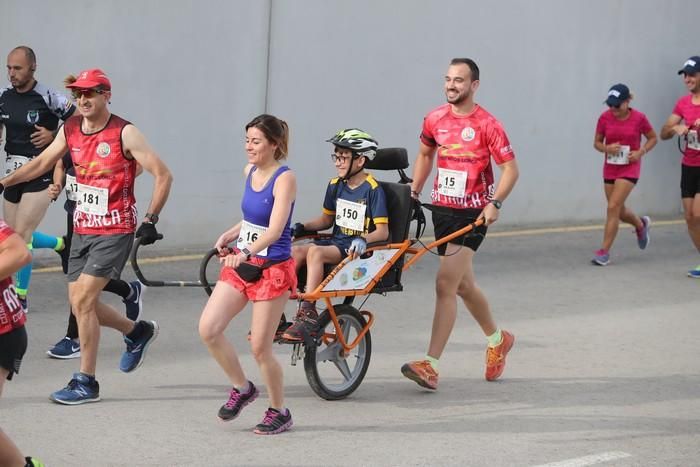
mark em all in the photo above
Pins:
pixel 262 238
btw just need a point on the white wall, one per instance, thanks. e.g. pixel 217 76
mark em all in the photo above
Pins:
pixel 191 74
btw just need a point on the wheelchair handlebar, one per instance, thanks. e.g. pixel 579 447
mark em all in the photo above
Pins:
pixel 133 257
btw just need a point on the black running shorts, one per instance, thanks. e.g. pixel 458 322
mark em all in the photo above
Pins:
pixel 13 345
pixel 690 181
pixel 449 220
pixel 14 193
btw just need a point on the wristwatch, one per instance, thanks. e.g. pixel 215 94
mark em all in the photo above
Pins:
pixel 247 253
pixel 497 203
pixel 152 218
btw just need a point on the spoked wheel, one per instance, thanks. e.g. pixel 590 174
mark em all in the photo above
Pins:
pixel 209 270
pixel 332 374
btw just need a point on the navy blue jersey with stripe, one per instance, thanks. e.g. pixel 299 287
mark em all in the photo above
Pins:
pixel 19 112
pixel 369 192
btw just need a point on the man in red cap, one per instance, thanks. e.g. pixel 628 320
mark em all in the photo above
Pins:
pixel 104 149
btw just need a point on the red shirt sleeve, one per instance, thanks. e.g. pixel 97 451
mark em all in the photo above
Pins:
pixel 498 144
pixel 600 127
pixel 426 135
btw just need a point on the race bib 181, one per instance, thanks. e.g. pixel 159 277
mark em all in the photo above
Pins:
pixel 92 200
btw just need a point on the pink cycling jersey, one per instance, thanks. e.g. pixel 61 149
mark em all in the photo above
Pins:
pixel 627 132
pixel 465 145
pixel 690 113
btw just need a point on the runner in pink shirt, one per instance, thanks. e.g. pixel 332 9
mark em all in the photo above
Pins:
pixel 618 135
pixel 461 138
pixel 687 110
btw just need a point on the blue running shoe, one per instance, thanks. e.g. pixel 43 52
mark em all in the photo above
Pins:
pixel 135 352
pixel 643 237
pixel 80 390
pixel 601 258
pixel 694 273
pixel 64 349
pixel 134 305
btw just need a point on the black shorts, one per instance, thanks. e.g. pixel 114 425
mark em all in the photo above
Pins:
pixel 690 181
pixel 13 345
pixel 611 181
pixel 449 220
pixel 14 193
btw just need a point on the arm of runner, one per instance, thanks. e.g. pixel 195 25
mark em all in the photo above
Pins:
pixel 673 127
pixel 284 191
pixel 136 145
pixel 40 164
pixel 422 168
pixel 599 143
pixel 646 147
pixel 227 238
pixel 14 254
pixel 506 182
pixel 59 174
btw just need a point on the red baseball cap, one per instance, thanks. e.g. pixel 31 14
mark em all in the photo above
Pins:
pixel 91 78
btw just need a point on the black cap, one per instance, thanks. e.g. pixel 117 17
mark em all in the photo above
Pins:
pixel 691 66
pixel 617 94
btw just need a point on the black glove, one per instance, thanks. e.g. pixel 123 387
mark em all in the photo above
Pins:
pixel 147 233
pixel 298 230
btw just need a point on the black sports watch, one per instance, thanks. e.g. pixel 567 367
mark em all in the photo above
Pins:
pixel 247 253
pixel 497 203
pixel 152 218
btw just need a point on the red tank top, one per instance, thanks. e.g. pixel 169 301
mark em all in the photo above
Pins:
pixel 11 313
pixel 106 203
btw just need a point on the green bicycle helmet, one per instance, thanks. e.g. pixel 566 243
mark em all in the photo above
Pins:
pixel 359 142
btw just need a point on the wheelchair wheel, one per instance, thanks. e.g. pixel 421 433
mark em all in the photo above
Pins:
pixel 208 270
pixel 331 374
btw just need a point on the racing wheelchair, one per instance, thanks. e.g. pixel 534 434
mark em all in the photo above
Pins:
pixel 336 358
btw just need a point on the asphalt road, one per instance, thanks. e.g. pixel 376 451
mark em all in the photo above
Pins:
pixel 604 371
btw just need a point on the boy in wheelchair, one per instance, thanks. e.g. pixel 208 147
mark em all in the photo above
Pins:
pixel 355 206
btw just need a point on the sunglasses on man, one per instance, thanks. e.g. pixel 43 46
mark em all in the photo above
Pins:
pixel 87 93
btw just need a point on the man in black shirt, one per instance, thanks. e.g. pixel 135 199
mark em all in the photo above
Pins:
pixel 30 114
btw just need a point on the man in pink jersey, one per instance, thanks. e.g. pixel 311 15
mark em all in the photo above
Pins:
pixel 618 135
pixel 104 149
pixel 685 122
pixel 465 137
pixel 13 335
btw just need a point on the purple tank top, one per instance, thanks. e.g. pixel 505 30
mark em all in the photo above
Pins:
pixel 257 207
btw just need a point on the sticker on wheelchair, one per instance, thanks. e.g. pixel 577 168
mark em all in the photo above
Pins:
pixel 357 274
pixel 622 157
